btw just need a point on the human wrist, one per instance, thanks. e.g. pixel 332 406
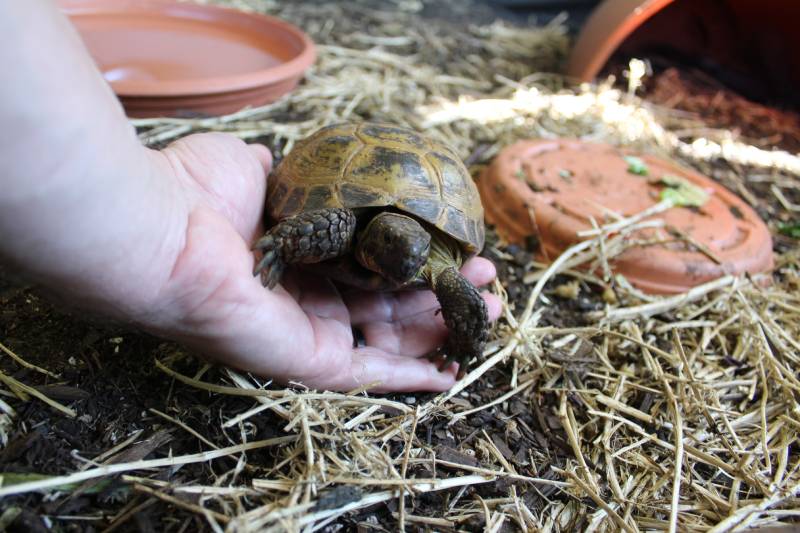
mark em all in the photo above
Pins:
pixel 101 236
pixel 84 212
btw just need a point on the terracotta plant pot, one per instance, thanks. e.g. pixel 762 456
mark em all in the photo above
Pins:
pixel 752 45
pixel 552 189
pixel 608 25
pixel 167 58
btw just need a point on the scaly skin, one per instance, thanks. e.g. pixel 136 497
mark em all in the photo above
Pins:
pixel 466 317
pixel 393 247
pixel 309 237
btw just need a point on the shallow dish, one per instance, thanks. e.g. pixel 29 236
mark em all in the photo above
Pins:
pixel 551 189
pixel 165 58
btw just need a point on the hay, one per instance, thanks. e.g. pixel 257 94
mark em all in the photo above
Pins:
pixel 657 413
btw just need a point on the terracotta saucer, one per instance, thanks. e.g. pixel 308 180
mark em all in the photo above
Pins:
pixel 165 58
pixel 551 189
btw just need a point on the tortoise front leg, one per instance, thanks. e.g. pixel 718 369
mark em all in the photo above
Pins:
pixel 465 316
pixel 305 238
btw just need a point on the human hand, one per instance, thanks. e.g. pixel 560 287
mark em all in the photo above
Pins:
pixel 302 330
pixel 162 238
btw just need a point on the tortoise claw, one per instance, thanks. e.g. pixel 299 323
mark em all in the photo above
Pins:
pixel 271 270
pixel 445 358
pixel 271 266
pixel 307 238
pixel 267 242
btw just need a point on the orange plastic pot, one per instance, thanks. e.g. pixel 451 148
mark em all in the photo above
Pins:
pixel 605 29
pixel 165 58
pixel 755 39
pixel 552 189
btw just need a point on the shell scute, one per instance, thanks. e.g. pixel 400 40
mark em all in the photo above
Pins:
pixel 394 172
pixel 428 209
pixel 359 195
pixel 320 196
pixel 321 160
pixel 390 136
pixel 456 223
pixel 295 201
pixel 374 165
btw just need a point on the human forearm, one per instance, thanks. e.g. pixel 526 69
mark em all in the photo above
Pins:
pixel 79 193
pixel 163 238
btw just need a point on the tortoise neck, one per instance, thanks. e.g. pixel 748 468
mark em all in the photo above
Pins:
pixel 445 253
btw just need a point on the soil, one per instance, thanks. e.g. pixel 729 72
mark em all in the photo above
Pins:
pixel 106 374
pixel 704 98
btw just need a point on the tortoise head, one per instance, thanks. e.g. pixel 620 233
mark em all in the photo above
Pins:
pixel 395 246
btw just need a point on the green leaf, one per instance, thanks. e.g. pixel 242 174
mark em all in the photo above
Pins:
pixel 636 165
pixel 682 192
pixel 792 229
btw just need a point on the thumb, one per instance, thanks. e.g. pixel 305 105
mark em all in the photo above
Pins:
pixel 227 174
pixel 263 155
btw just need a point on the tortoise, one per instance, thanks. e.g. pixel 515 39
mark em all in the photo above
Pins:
pixel 381 207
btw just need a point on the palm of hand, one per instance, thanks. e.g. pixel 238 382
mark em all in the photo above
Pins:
pixel 302 330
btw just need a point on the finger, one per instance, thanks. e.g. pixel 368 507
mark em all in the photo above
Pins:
pixel 393 374
pixel 264 158
pixel 293 282
pixel 227 175
pixel 318 296
pixel 223 312
pixel 419 334
pixel 315 295
pixel 263 155
pixel 392 306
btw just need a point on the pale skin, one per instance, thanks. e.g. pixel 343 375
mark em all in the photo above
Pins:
pixel 162 239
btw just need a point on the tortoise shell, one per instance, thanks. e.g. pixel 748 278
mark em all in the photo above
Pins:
pixel 378 165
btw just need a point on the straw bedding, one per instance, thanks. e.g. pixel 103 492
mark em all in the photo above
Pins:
pixel 595 407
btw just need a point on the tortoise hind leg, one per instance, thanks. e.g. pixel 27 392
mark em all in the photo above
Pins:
pixel 466 317
pixel 309 237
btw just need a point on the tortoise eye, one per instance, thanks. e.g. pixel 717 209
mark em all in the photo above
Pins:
pixel 387 239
